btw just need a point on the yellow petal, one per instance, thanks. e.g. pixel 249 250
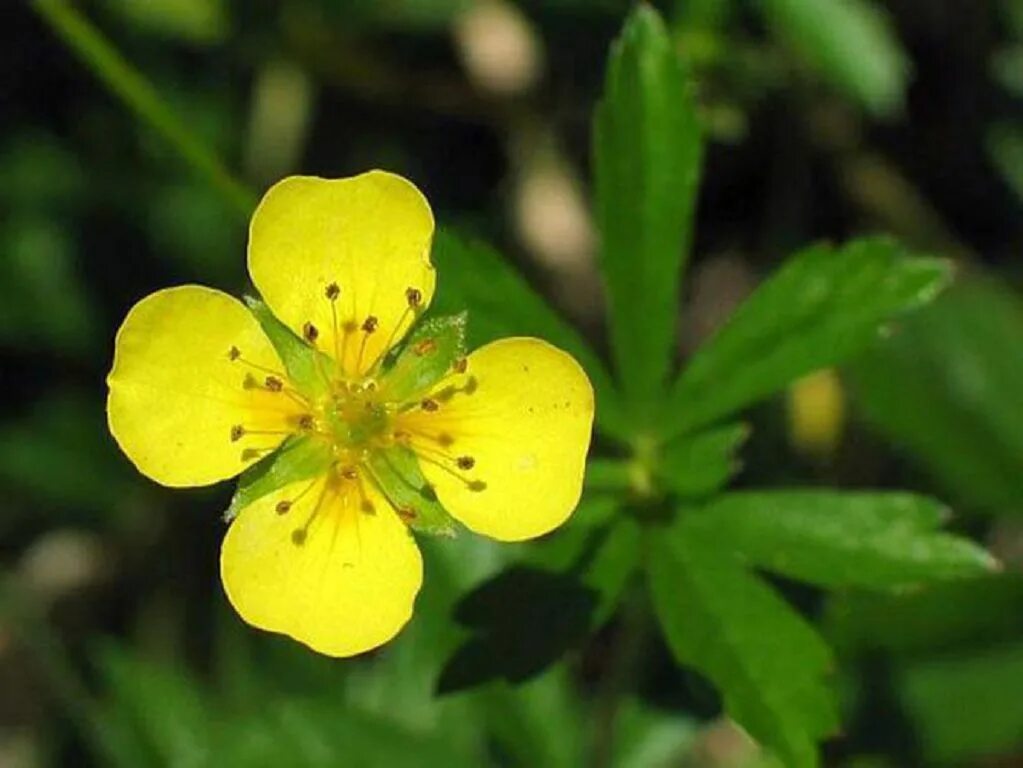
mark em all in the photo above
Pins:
pixel 344 586
pixel 175 393
pixel 505 448
pixel 369 235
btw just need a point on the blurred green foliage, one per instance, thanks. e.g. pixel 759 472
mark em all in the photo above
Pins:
pixel 667 603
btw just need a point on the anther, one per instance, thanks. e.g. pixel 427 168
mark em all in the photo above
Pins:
pixel 370 324
pixel 408 514
pixel 237 433
pixel 298 537
pixel 332 291
pixel 445 440
pixel 305 422
pixel 466 462
pixel 310 332
pixel 461 365
pixel 476 486
pixel 367 507
pixel 233 353
pixel 273 384
pixel 429 405
pixel 283 507
pixel 249 454
pixel 350 326
pixel 350 473
pixel 414 297
pixel 249 382
pixel 425 347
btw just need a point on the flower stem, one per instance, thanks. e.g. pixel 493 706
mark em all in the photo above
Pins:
pixel 139 95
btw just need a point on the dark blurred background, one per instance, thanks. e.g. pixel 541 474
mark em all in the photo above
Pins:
pixel 823 122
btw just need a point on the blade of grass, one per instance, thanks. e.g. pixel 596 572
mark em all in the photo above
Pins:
pixel 139 95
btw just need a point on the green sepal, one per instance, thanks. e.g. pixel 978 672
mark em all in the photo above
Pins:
pixel 305 372
pixel 398 476
pixel 300 457
pixel 427 356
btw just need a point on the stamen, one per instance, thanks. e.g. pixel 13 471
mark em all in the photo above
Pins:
pixel 465 462
pixel 306 422
pixel 310 332
pixel 248 454
pixel 284 506
pixel 350 473
pixel 425 347
pixel 332 292
pixel 414 297
pixel 407 514
pixel 414 300
pixel 441 460
pixel 235 355
pixel 370 324
pixel 273 384
pixel 429 405
pixel 237 433
pixel 299 535
pixel 461 365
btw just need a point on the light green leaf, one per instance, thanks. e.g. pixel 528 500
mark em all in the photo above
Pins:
pixel 946 388
pixel 851 43
pixel 397 474
pixel 647 154
pixel 873 540
pixel 306 366
pixel 426 357
pixel 768 663
pixel 501 303
pixel 299 458
pixel 700 464
pixel 819 309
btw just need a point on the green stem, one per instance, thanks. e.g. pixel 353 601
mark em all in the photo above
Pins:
pixel 139 95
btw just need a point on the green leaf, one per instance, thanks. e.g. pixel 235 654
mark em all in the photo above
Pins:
pixel 426 357
pixel 300 457
pixel 647 155
pixel 872 540
pixel 306 366
pixel 1005 142
pixel 766 660
pixel 946 389
pixel 948 616
pixel 700 464
pixel 986 718
pixel 819 309
pixel 851 43
pixel 398 475
pixel 501 303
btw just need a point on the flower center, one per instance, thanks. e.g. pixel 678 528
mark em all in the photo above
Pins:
pixel 356 417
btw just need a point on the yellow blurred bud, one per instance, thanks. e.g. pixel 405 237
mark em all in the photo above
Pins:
pixel 816 414
pixel 498 47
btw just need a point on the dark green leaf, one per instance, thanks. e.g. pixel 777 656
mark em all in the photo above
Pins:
pixel 700 464
pixel 819 309
pixel 768 663
pixel 306 366
pixel 946 387
pixel 299 458
pixel 525 619
pixel 397 473
pixel 949 616
pixel 647 154
pixel 966 707
pixel 501 303
pixel 852 43
pixel 426 357
pixel 842 539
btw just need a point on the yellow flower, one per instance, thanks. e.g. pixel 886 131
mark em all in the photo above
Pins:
pixel 202 389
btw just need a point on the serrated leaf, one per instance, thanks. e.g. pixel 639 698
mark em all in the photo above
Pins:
pixel 426 357
pixel 834 539
pixel 397 474
pixel 820 308
pixel 700 464
pixel 501 303
pixel 851 43
pixel 306 366
pixel 647 154
pixel 946 389
pixel 300 457
pixel 768 663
